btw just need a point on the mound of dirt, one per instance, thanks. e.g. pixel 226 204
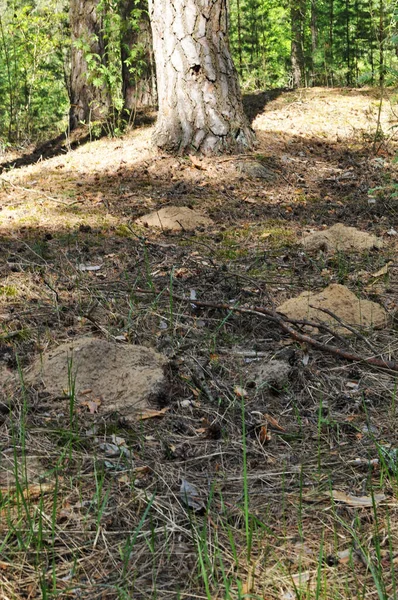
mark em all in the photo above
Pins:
pixel 340 301
pixel 273 374
pixel 175 218
pixel 255 170
pixel 118 378
pixel 340 238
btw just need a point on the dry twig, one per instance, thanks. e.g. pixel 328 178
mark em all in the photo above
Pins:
pixel 286 325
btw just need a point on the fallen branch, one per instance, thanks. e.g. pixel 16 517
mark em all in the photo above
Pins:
pixel 285 324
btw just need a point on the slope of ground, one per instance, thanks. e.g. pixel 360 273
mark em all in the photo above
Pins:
pixel 289 450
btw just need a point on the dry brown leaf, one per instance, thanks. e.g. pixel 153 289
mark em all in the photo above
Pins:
pixel 151 413
pixel 265 435
pixel 195 160
pixel 357 501
pixel 273 422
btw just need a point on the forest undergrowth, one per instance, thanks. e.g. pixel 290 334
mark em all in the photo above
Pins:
pixel 295 485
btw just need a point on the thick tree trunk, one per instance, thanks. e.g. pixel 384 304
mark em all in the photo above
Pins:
pixel 87 101
pixel 138 65
pixel 297 53
pixel 200 105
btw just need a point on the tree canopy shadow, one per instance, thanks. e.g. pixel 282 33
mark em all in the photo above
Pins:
pixel 255 102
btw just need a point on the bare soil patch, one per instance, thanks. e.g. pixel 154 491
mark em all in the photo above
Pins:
pixel 340 238
pixel 341 302
pixel 112 378
pixel 175 218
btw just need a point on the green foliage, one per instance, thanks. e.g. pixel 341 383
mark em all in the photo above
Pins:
pixel 343 43
pixel 33 46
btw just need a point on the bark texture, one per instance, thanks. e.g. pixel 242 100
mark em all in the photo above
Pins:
pixel 297 11
pixel 138 73
pixel 87 101
pixel 200 104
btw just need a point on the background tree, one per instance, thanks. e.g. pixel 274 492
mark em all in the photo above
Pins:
pixel 89 98
pixel 138 67
pixel 96 53
pixel 200 106
pixel 297 16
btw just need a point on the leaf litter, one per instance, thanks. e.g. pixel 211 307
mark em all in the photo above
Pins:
pixel 109 519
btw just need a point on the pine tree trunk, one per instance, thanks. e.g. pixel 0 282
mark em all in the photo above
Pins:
pixel 138 67
pixel 297 53
pixel 87 101
pixel 200 105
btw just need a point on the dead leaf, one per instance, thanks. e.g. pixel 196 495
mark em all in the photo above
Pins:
pixel 357 501
pixel 92 405
pixel 89 267
pixel 265 435
pixel 240 391
pixel 273 422
pixel 301 578
pixel 150 413
pixel 383 270
pixel 190 495
pixel 196 161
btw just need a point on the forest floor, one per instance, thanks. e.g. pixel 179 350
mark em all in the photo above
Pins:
pixel 297 482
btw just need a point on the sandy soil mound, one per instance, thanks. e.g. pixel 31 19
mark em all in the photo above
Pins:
pixel 343 239
pixel 119 378
pixel 175 218
pixel 339 300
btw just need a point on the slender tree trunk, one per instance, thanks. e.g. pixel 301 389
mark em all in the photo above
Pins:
pixel 348 42
pixel 381 43
pixel 87 101
pixel 138 67
pixel 314 40
pixel 200 105
pixel 297 52
pixel 239 37
pixel 356 41
pixel 331 40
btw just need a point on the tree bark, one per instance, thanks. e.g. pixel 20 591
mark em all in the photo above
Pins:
pixel 297 12
pixel 200 104
pixel 88 102
pixel 314 40
pixel 138 66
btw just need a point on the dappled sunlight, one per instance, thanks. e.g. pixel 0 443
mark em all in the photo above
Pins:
pixel 49 216
pixel 76 264
pixel 331 114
